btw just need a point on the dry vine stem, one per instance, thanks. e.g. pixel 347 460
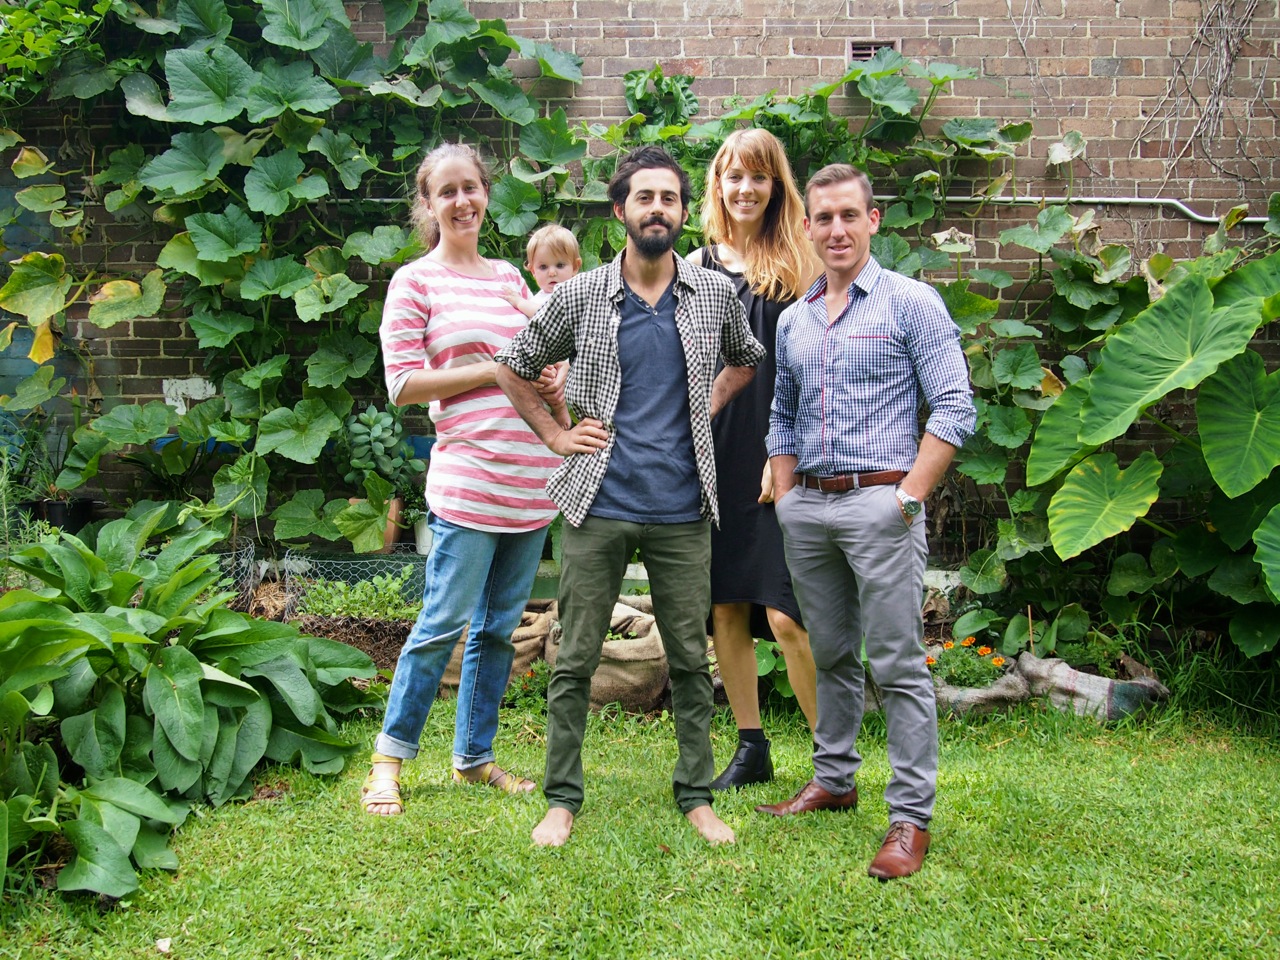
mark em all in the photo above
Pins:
pixel 1200 87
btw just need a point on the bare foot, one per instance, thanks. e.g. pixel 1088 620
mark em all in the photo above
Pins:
pixel 383 782
pixel 714 830
pixel 554 829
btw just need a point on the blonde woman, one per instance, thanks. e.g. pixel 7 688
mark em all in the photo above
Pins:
pixel 753 220
pixel 445 318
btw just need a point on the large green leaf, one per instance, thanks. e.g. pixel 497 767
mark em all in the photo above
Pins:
pixel 318 750
pixel 982 461
pixel 221 236
pixel 398 14
pixel 243 483
pixel 194 160
pixel 345 60
pixel 1243 579
pixel 209 85
pixel 173 691
pixel 984 573
pixel 1173 344
pixel 205 18
pixel 1018 367
pixel 325 296
pixel 549 140
pixel 307 514
pixel 406 90
pixel 892 93
pixel 450 21
pixel 1267 539
pixel 1055 446
pixel 99 864
pixel 554 62
pixel 1258 281
pixel 142 97
pixel 218 329
pixel 299 434
pixel 131 423
pixel 96 738
pixel 41 387
pixel 1052 224
pixel 37 288
pixel 151 850
pixel 340 356
pixel 968 309
pixel 174 771
pixel 386 243
pixel 1238 415
pixel 1098 500
pixel 119 300
pixel 300 24
pixel 293 86
pixel 180 254
pixel 514 206
pixel 1236 519
pixel 42 197
pixel 290 681
pixel 1008 426
pixel 280 277
pixel 134 797
pixel 507 98
pixel 344 154
pixel 1255 629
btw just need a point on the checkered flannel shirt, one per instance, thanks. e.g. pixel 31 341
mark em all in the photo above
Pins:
pixel 580 323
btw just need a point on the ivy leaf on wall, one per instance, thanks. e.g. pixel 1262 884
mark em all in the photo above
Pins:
pixel 406 90
pixel 1008 426
pixel 1052 224
pixel 34 390
pixel 279 277
pixel 385 244
pixel 344 154
pixel 220 236
pixel 398 14
pixel 142 97
pixel 299 434
pixel 450 21
pixel 272 369
pixel 1018 367
pixel 1098 500
pixel 967 309
pixel 558 64
pixel 338 358
pixel 207 86
pixel 548 140
pixel 205 18
pixel 131 423
pixel 514 206
pixel 345 60
pixel 37 289
pixel 42 197
pixel 180 254
pixel 293 86
pixel 273 182
pixel 325 296
pixel 119 300
pixel 1238 412
pixel 507 98
pixel 218 329
pixel 891 93
pixel 193 161
pixel 300 24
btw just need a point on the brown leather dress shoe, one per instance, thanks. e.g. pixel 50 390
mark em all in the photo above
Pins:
pixel 902 852
pixel 812 797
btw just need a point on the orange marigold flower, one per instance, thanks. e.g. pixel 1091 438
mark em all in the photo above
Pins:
pixel 929 661
pixel 968 642
pixel 947 645
pixel 997 661
pixel 983 651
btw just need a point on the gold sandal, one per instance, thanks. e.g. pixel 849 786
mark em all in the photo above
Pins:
pixel 381 789
pixel 494 776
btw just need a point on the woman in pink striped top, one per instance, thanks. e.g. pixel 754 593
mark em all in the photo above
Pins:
pixel 445 318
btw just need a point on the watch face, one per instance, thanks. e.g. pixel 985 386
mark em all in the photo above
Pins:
pixel 911 507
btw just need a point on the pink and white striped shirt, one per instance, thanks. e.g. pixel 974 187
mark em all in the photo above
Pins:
pixel 488 469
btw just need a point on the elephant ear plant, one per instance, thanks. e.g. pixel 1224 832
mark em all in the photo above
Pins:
pixel 131 691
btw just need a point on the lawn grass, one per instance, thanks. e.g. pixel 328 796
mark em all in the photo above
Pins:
pixel 1053 837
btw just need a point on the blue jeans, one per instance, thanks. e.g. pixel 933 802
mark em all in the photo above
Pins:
pixel 474 577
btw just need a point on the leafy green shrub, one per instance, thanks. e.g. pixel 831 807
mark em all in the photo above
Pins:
pixel 131 692
pixel 772 664
pixel 378 598
pixel 528 692
pixel 1096 651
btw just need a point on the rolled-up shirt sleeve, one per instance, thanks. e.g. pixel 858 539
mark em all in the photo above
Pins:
pixel 934 343
pixel 403 332
pixel 781 440
pixel 547 338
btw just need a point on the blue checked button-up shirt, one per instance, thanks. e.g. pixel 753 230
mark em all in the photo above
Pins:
pixel 847 395
pixel 580 323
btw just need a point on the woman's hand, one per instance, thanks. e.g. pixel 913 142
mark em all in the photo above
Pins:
pixel 550 384
pixel 766 485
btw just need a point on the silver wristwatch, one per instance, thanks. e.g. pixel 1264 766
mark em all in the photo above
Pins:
pixel 911 507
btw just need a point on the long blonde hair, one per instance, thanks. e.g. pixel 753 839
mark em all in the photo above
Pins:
pixel 420 214
pixel 780 263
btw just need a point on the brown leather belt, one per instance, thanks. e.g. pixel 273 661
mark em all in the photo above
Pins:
pixel 850 481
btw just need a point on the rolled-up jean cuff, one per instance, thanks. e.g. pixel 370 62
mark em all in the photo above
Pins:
pixel 470 763
pixel 391 747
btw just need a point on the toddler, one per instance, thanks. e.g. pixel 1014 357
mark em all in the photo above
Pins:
pixel 553 258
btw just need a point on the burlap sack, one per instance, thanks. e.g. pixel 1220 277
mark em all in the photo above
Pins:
pixel 632 672
pixel 530 640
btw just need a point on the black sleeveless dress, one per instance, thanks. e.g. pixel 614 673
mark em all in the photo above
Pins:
pixel 747 561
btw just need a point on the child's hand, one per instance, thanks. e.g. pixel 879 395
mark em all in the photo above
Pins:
pixel 511 295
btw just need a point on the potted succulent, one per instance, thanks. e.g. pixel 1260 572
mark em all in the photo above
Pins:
pixel 379 462
pixel 414 513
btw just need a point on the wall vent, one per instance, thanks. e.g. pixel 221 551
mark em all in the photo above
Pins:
pixel 863 50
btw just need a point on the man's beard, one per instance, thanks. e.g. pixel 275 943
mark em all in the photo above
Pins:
pixel 652 245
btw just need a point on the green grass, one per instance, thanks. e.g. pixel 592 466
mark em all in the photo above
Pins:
pixel 1053 837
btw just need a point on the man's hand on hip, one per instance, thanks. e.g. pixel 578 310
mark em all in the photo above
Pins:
pixel 586 436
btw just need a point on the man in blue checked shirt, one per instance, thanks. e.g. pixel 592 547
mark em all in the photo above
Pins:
pixel 851 473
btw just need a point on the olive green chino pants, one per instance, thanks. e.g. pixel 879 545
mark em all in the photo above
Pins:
pixel 677 557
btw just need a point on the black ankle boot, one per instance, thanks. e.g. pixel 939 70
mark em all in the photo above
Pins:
pixel 750 764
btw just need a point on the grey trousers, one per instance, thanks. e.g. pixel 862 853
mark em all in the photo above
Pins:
pixel 858 572
pixel 677 557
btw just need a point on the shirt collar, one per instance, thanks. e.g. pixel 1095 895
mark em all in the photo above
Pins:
pixel 864 281
pixel 685 275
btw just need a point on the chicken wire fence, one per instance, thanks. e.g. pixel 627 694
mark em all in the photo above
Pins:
pixel 303 568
